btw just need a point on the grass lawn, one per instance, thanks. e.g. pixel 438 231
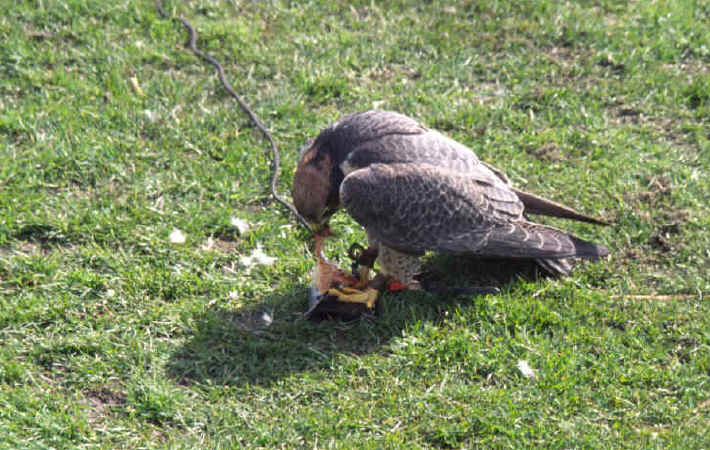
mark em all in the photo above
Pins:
pixel 115 141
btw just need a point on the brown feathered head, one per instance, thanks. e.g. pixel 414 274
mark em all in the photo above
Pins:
pixel 313 192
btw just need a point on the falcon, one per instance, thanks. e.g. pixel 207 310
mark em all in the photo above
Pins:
pixel 415 190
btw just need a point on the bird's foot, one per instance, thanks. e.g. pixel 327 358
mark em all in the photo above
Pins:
pixel 385 283
pixel 346 294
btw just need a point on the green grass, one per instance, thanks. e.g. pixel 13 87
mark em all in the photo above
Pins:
pixel 112 135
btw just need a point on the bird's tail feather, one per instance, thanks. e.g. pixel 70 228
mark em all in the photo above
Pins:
pixel 588 250
pixel 538 205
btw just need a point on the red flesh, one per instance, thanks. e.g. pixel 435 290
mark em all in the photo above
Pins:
pixel 329 273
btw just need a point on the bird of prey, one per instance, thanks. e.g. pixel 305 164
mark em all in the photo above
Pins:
pixel 415 190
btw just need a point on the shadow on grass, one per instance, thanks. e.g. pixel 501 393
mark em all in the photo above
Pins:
pixel 237 347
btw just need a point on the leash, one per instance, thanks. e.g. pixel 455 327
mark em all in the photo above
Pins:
pixel 276 156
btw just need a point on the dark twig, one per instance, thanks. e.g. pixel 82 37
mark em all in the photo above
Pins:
pixel 228 87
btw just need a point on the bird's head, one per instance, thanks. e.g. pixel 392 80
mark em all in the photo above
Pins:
pixel 314 194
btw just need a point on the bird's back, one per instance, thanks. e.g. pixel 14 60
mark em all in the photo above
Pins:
pixel 383 137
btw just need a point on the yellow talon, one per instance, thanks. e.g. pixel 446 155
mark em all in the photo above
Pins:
pixel 350 295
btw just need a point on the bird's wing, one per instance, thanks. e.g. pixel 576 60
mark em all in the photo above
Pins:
pixel 419 207
pixel 426 147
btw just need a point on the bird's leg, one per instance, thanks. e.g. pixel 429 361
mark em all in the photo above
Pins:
pixel 363 263
pixel 401 269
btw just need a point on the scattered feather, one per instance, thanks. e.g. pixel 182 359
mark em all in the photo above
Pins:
pixel 525 369
pixel 136 86
pixel 255 322
pixel 262 258
pixel 150 115
pixel 257 257
pixel 208 245
pixel 174 113
pixel 266 319
pixel 177 236
pixel 241 225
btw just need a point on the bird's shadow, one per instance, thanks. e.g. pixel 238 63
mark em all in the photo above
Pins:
pixel 267 342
